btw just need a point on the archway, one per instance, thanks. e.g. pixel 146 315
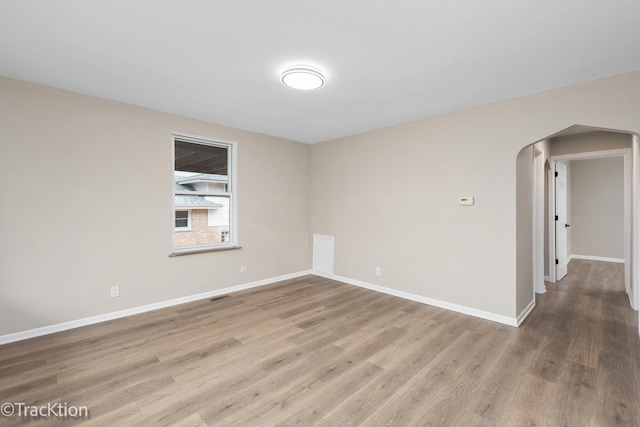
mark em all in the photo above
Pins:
pixel 535 246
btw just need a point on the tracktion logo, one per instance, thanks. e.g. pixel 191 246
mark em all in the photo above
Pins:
pixel 50 410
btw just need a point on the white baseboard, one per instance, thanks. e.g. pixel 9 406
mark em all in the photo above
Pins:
pixel 546 278
pixel 598 258
pixel 524 313
pixel 323 274
pixel 511 321
pixel 59 327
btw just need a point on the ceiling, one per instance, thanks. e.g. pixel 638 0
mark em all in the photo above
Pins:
pixel 385 62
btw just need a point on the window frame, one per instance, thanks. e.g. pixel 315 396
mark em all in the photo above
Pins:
pixel 232 193
pixel 188 227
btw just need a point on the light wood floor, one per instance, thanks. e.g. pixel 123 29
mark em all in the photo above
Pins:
pixel 312 351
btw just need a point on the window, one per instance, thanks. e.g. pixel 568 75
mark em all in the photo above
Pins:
pixel 183 220
pixel 203 194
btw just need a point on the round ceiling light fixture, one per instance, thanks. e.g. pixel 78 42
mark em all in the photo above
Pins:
pixel 302 77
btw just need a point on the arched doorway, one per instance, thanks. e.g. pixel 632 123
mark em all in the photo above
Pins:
pixel 535 201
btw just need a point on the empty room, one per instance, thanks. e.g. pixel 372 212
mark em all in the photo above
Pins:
pixel 333 213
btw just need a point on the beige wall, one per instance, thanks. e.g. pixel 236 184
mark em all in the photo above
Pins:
pixel 524 221
pixel 592 141
pixel 86 203
pixel 390 197
pixel 597 207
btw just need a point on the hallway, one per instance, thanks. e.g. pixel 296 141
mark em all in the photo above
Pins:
pixel 588 346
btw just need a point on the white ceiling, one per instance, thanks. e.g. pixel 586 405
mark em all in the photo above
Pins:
pixel 385 62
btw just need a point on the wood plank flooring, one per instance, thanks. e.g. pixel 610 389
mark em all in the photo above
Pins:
pixel 312 351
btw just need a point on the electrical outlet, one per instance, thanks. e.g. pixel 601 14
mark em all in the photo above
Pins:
pixel 378 271
pixel 243 269
pixel 115 291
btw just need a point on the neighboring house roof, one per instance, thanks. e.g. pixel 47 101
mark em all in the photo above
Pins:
pixel 195 202
pixel 188 201
pixel 179 188
pixel 202 177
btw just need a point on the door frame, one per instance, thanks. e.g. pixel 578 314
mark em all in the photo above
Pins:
pixel 551 214
pixel 631 283
pixel 557 257
pixel 634 296
pixel 538 221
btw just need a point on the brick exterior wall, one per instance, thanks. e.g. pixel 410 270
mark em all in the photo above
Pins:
pixel 200 233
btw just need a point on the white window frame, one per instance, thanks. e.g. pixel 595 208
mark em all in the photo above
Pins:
pixel 232 193
pixel 188 227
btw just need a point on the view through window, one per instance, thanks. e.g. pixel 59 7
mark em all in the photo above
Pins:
pixel 202 191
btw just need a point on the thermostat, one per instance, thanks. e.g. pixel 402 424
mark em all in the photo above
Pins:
pixel 466 201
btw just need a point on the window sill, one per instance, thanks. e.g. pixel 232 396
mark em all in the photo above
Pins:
pixel 204 250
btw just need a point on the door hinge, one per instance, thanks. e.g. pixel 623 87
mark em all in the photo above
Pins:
pixel 556 174
pixel 557 261
pixel 556 217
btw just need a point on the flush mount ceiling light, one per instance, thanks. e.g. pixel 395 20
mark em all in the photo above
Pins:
pixel 302 77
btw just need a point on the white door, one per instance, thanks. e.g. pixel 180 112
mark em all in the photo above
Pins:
pixel 562 244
